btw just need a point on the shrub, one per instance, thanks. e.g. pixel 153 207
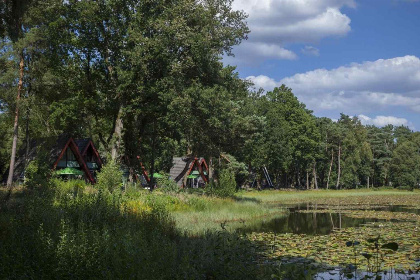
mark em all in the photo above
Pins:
pixel 37 174
pixel 239 169
pixel 406 188
pixel 167 185
pixel 227 184
pixel 110 176
pixel 70 188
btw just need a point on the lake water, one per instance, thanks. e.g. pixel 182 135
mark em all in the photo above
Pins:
pixel 299 222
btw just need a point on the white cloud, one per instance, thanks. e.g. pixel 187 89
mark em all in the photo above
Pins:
pixel 257 51
pixel 310 50
pixel 264 82
pixel 381 83
pixel 384 120
pixel 278 23
pixel 356 88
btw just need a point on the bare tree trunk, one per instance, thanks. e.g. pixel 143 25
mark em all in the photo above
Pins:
pixel 27 139
pixel 339 166
pixel 298 178
pixel 331 164
pixel 116 144
pixel 368 182
pixel 210 169
pixel 307 180
pixel 16 125
pixel 314 176
pixel 152 164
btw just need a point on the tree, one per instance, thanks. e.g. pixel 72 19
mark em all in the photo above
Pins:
pixel 405 165
pixel 12 19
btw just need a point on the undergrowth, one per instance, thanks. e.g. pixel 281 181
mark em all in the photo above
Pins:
pixel 68 231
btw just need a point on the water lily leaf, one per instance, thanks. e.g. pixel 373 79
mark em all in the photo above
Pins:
pixel 367 255
pixel 372 240
pixel 392 246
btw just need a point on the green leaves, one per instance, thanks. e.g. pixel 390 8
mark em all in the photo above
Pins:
pixel 392 246
pixel 352 243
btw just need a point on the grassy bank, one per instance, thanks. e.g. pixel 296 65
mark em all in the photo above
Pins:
pixel 76 232
pixel 211 213
pixel 335 197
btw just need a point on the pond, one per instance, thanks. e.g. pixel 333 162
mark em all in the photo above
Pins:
pixel 320 234
pixel 313 219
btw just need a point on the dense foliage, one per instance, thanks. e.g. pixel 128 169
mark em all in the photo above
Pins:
pixel 145 78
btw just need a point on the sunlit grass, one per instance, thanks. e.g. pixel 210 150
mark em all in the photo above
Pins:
pixel 224 213
pixel 333 196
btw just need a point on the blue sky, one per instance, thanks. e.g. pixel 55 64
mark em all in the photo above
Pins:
pixel 358 57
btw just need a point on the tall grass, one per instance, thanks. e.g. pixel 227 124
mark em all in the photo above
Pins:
pixel 55 233
pixel 291 197
pixel 206 213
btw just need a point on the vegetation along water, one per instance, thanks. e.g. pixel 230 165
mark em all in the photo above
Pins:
pixel 129 149
pixel 72 230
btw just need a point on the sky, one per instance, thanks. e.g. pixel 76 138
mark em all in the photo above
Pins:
pixel 357 57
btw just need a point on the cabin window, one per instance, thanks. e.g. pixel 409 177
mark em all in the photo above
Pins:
pixel 68 160
pixel 90 159
pixel 69 155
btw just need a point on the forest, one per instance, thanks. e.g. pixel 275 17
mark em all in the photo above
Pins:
pixel 146 78
pixel 147 82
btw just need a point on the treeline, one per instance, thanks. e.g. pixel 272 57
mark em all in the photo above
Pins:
pixel 145 78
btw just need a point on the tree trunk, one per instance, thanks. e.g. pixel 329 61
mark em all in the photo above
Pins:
pixel 307 180
pixel 152 164
pixel 116 144
pixel 314 176
pixel 339 166
pixel 210 169
pixel 298 178
pixel 368 182
pixel 27 139
pixel 331 164
pixel 16 125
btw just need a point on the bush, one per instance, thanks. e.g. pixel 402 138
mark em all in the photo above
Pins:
pixel 70 188
pixel 110 176
pixel 167 185
pixel 405 188
pixel 37 174
pixel 226 186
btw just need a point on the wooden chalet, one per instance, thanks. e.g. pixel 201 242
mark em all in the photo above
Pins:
pixel 90 155
pixel 61 152
pixel 189 171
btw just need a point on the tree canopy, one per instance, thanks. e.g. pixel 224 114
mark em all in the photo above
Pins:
pixel 146 79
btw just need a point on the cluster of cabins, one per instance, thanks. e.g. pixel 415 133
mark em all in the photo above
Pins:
pixel 80 158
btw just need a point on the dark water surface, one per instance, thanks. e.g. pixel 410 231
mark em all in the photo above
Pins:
pixel 316 223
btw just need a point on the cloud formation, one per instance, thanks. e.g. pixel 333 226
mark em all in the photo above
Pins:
pixel 275 24
pixel 359 87
pixel 310 50
pixel 384 120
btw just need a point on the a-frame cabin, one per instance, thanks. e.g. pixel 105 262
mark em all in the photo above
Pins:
pixel 90 155
pixel 188 168
pixel 61 152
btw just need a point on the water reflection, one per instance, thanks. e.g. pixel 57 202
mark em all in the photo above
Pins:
pixel 306 223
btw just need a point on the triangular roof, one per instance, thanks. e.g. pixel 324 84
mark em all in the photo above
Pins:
pixel 55 147
pixel 71 144
pixel 182 167
pixel 83 146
